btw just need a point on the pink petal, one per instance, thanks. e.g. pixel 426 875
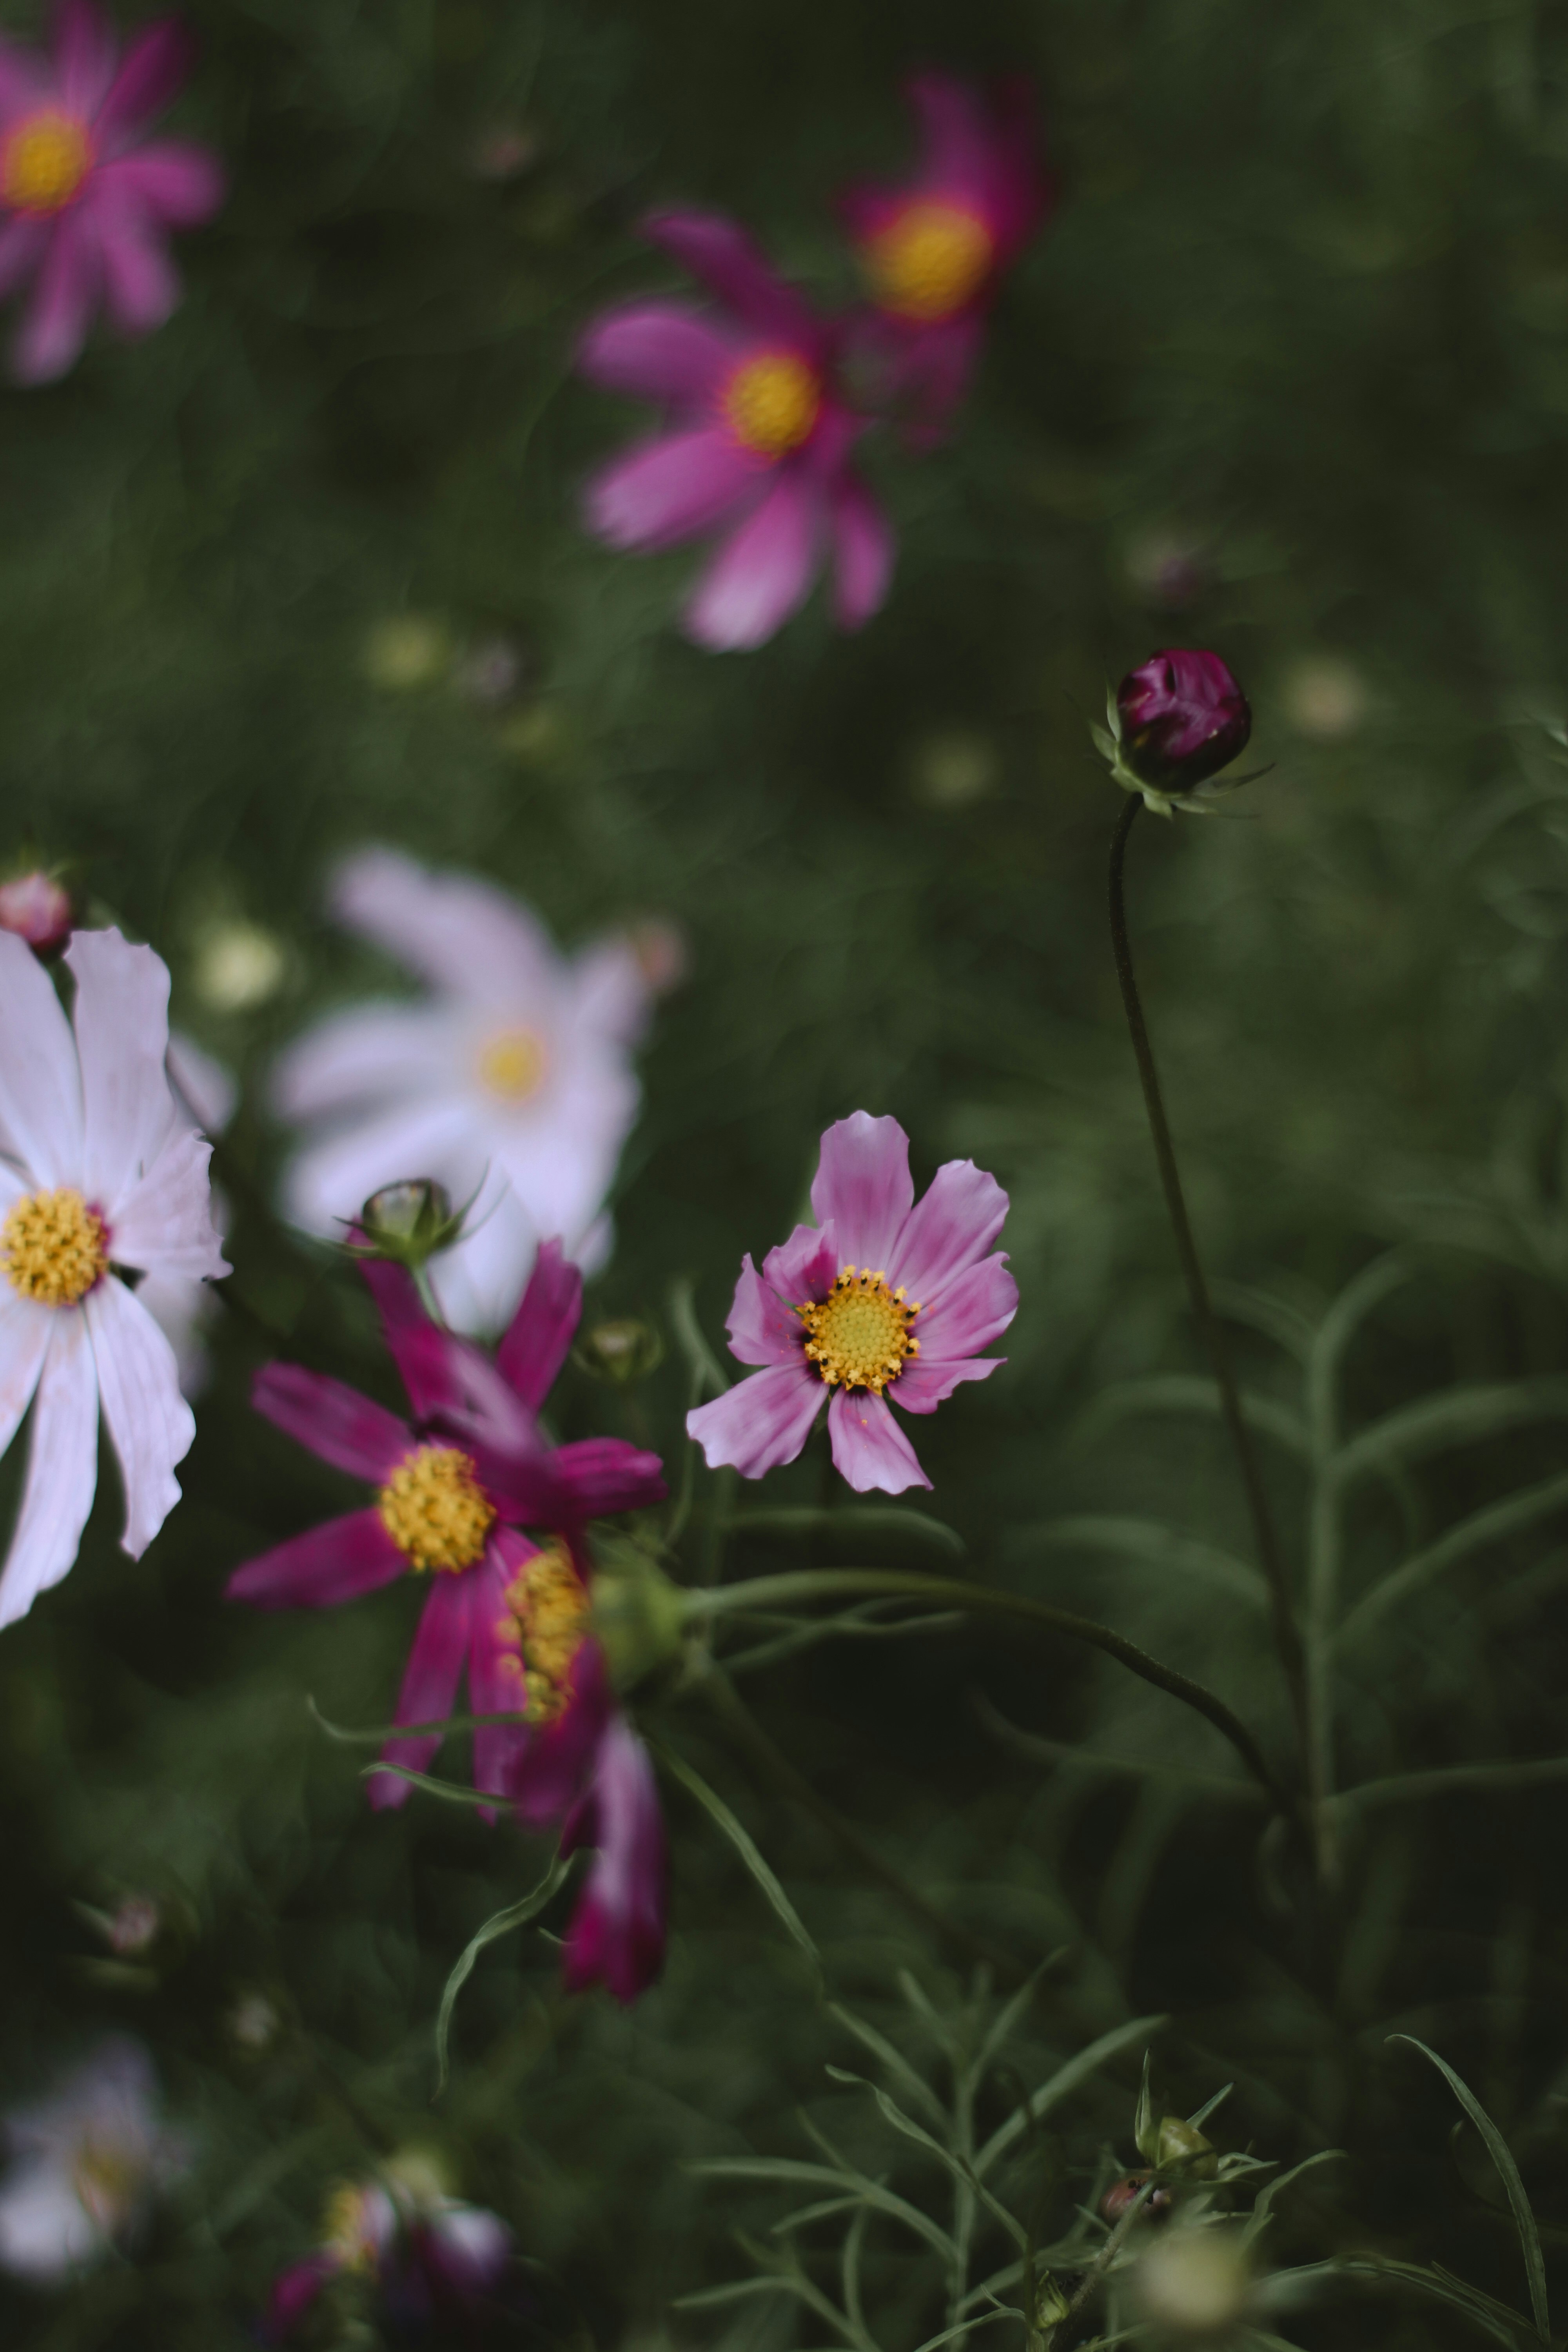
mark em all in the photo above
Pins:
pixel 866 208
pixel 62 1468
pixel 959 141
pixel 152 1425
pixel 69 281
pixel 762 572
pixel 670 489
pixel 26 83
pixel 427 1358
pixel 336 1561
pixel 932 372
pixel 140 284
pixel 657 351
pixel 25 1329
pixel 293 2293
pixel 336 1423
pixel 495 1680
pixel 863 553
pixel 863 1184
pixel 534 1348
pixel 430 1684
pixel 617 1934
pixel 972 1312
pixel 40 1091
pixel 920 1387
pixel 600 1475
pixel 121 1022
pixel 761 1422
pixel 156 66
pixel 22 240
pixel 725 259
pixel 807 1265
pixel 869 1449
pixel 952 1225
pixel 173 181
pixel 763 1329
pixel 85 50
pixel 547 1776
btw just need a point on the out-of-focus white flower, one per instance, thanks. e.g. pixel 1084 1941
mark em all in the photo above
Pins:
pixel 512 1079
pixel 182 1309
pixel 84 2166
pixel 97 1168
pixel 1194 2283
pixel 239 965
pixel 1325 698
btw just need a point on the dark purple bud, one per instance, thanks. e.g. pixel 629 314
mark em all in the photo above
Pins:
pixel 1183 717
pixel 1122 2194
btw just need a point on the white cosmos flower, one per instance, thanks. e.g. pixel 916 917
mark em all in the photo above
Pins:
pixel 84 2166
pixel 514 1075
pixel 182 1306
pixel 98 1167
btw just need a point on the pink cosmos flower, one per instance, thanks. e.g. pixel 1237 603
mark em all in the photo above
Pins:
pixel 90 201
pixel 1183 718
pixel 425 2257
pixel 448 1506
pixel 756 445
pixel 881 1299
pixel 934 248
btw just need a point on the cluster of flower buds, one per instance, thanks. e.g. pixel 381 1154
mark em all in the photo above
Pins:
pixel 1171 726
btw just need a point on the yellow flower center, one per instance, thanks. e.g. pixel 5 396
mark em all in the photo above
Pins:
pixel 47 159
pixel 53 1247
pixel 435 1509
pixel 858 1336
pixel 770 403
pixel 346 2232
pixel 543 1629
pixel 926 263
pixel 106 2176
pixel 512 1064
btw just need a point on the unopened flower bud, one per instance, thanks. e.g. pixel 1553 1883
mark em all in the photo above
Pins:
pixel 1051 2307
pixel 639 1616
pixel 1123 2193
pixel 1183 718
pixel 1182 2144
pixel 407 1223
pixel 622 1349
pixel 1194 2283
pixel 38 908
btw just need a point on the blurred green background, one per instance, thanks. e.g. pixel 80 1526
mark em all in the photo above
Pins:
pixel 1288 376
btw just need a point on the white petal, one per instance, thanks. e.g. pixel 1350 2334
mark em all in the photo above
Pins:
pixel 40 1086
pixel 62 1467
pixel 464 936
pixel 561 1167
pixel 164 1224
pixel 25 1328
pixel 45 2232
pixel 329 1182
pixel 149 1419
pixel 610 992
pixel 121 1018
pixel 480 1283
pixel 203 1087
pixel 182 1309
pixel 366 1055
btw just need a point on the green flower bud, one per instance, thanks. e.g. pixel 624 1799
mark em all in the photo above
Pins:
pixel 622 1349
pixel 1177 2143
pixel 407 1223
pixel 639 1615
pixel 1051 2307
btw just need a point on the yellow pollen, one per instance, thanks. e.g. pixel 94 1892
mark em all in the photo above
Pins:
pixel 770 403
pixel 512 1064
pixel 435 1509
pixel 543 1629
pixel 46 160
pixel 53 1247
pixel 858 1336
pixel 346 2232
pixel 926 264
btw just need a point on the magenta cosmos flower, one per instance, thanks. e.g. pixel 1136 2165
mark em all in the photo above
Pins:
pixel 934 250
pixel 756 443
pixel 1183 718
pixel 452 1511
pixel 880 1300
pixel 89 202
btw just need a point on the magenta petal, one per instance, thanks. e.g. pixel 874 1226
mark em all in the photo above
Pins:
pixel 71 279
pixel 960 146
pixel 805 1266
pixel 617 1934
pixel 763 1329
pixel 174 182
pixel 863 1184
pixel 536 1345
pixel 725 259
pixel 336 1561
pixel 140 286
pixel 761 1422
pixel 762 572
pixel 869 1449
pixel 951 1226
pixel 432 1365
pixel 430 1684
pixel 22 240
pixel 971 1312
pixel 599 1474
pixel 863 551
pixel 670 489
pixel 335 1422
pixel 657 351
pixel 157 65
pixel 920 1387
pixel 293 2293
pixel 495 1677
pixel 546 1777
pixel 84 50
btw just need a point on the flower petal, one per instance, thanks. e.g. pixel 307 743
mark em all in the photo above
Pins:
pixel 141 285
pixel 364 1055
pixel 152 1425
pixel 669 489
pixel 863 1184
pixel 762 572
pixel 863 553
pixel 715 250
pixel 62 1468
pixel 121 1022
pixel 165 1223
pixel 617 1934
pixel 479 1282
pixel 534 1347
pixel 427 1357
pixel 25 1328
pixel 335 1422
pixel 173 181
pixel 495 1679
pixel 972 1311
pixel 40 1091
pixel 657 351
pixel 430 1685
pixel 597 1476
pixel 326 1186
pixel 22 240
pixel 955 1223
pixel 920 1387
pixel 869 1449
pixel 64 299
pixel 547 1776
pixel 468 938
pixel 84 52
pixel 204 1090
pixel 761 1422
pixel 763 1329
pixel 156 66
pixel 807 1265
pixel 336 1561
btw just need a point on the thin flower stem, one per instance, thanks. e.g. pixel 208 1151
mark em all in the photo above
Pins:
pixel 1286 1635
pixel 981 1600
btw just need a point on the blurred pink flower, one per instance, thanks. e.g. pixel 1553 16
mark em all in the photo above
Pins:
pixel 829 1314
pixel 757 443
pixel 933 248
pixel 38 909
pixel 89 202
pixel 429 2259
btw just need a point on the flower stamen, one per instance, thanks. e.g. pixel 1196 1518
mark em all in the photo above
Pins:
pixel 46 160
pixel 770 403
pixel 513 1066
pixel 858 1336
pixel 929 261
pixel 435 1509
pixel 53 1247
pixel 544 1627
